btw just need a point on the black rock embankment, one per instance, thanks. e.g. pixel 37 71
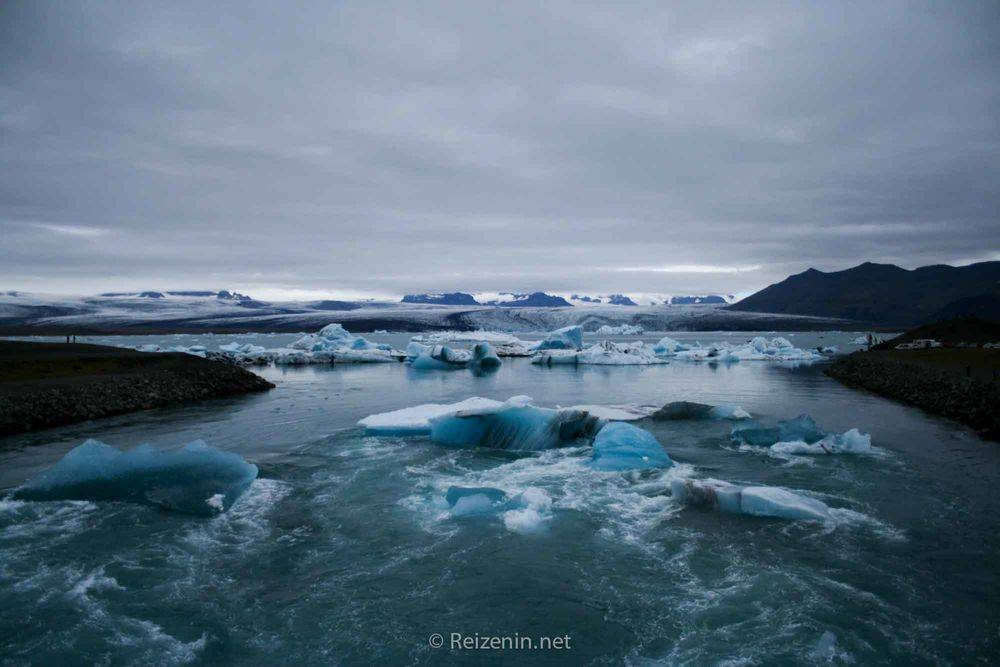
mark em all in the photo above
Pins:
pixel 51 384
pixel 958 384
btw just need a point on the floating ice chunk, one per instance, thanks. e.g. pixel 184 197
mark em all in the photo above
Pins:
pixel 527 512
pixel 515 425
pixel 732 412
pixel 801 428
pixel 617 413
pixel 532 509
pixel 416 420
pixel 567 338
pixel 196 479
pixel 850 442
pixel 668 347
pixel 682 410
pixel 555 358
pixel 764 501
pixel 779 503
pixel 607 353
pixel 414 349
pixel 484 356
pixel 442 357
pixel 621 446
pixel 621 330
pixel 470 501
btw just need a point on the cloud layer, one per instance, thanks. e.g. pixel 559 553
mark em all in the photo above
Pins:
pixel 382 149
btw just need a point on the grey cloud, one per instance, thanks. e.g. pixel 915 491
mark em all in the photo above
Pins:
pixel 390 148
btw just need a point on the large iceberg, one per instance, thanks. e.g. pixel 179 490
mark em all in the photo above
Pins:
pixel 567 338
pixel 622 446
pixel 621 330
pixel 482 356
pixel 195 480
pixel 332 344
pixel 605 353
pixel 764 501
pixel 515 425
pixel 757 349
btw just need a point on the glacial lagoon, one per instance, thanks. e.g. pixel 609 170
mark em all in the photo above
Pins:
pixel 348 548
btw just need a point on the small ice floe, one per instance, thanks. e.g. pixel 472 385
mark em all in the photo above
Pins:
pixel 802 436
pixel 525 513
pixel 195 480
pixel 416 420
pixel 763 501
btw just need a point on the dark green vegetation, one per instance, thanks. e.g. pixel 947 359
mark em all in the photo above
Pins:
pixel 884 294
pixel 958 383
pixel 50 384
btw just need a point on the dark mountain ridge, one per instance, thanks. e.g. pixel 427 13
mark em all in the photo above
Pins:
pixel 883 294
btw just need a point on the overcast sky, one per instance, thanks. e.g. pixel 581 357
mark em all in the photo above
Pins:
pixel 380 148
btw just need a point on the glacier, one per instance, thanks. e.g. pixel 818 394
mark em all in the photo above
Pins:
pixel 762 501
pixel 622 446
pixel 196 479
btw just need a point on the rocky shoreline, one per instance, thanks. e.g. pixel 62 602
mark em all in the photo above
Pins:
pixel 955 392
pixel 43 385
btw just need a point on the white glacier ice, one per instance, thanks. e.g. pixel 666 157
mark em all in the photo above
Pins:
pixel 621 446
pixel 195 480
pixel 415 420
pixel 620 330
pixel 605 353
pixel 757 349
pixel 849 442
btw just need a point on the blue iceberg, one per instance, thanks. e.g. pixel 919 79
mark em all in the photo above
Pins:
pixel 567 338
pixel 800 429
pixel 441 357
pixel 514 425
pixel 484 357
pixel 195 480
pixel 621 446
pixel 763 501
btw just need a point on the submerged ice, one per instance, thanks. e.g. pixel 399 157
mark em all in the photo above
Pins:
pixel 524 513
pixel 196 479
